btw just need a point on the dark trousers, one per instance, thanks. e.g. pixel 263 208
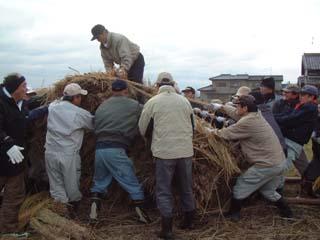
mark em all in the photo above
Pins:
pixel 165 170
pixel 14 193
pixel 136 71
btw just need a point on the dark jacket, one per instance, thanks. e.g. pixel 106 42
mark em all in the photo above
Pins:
pixel 299 123
pixel 284 106
pixel 268 116
pixel 12 132
pixel 116 120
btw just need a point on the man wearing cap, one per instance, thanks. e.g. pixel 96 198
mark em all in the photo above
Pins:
pixel 116 48
pixel 267 89
pixel 65 129
pixel 290 98
pixel 116 125
pixel 170 117
pixel 262 150
pixel 297 126
pixel 12 155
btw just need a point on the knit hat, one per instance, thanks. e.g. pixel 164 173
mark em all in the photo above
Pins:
pixel 13 81
pixel 309 89
pixel 268 82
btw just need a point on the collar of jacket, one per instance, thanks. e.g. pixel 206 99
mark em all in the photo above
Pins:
pixel 269 97
pixel 109 42
pixel 166 88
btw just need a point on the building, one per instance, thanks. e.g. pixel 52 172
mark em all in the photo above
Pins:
pixel 226 85
pixel 310 69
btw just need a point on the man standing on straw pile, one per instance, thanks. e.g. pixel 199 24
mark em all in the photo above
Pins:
pixel 116 125
pixel 12 155
pixel 262 150
pixel 170 117
pixel 116 48
pixel 65 130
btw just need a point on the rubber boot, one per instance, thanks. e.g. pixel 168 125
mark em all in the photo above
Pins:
pixel 187 222
pixel 284 209
pixel 234 212
pixel 73 208
pixel 95 206
pixel 140 211
pixel 166 229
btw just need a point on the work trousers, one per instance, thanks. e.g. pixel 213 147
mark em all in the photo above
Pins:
pixel 295 157
pixel 165 170
pixel 64 170
pixel 136 71
pixel 264 179
pixel 14 194
pixel 114 163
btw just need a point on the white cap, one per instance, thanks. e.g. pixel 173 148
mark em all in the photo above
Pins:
pixel 73 89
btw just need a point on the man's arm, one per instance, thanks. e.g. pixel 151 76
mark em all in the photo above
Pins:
pixel 108 63
pixel 237 131
pixel 145 119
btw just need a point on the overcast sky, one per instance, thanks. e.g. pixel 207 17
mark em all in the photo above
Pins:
pixel 194 40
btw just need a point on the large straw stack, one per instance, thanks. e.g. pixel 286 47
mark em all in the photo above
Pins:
pixel 215 161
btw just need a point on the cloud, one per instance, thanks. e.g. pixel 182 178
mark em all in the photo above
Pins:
pixel 193 40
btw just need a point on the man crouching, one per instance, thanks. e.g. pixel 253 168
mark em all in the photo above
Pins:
pixel 262 150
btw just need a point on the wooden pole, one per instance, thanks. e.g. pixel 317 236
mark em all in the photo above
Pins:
pixel 305 201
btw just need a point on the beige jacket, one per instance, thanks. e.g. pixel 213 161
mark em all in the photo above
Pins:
pixel 172 124
pixel 258 142
pixel 119 50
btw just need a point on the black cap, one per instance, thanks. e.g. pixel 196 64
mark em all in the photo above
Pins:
pixel 189 89
pixel 97 30
pixel 13 81
pixel 119 85
pixel 268 82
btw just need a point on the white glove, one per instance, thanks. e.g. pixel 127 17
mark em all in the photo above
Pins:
pixel 220 119
pixel 15 155
pixel 215 106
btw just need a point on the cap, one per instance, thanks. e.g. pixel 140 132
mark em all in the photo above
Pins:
pixel 13 81
pixel 31 91
pixel 73 89
pixel 165 78
pixel 245 100
pixel 309 89
pixel 119 85
pixel 268 82
pixel 291 88
pixel 189 89
pixel 97 30
pixel 243 91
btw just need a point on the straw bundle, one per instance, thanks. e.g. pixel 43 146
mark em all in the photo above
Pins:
pixel 215 160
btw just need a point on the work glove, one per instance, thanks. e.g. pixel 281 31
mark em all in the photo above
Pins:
pixel 215 106
pixel 122 73
pixel 220 119
pixel 15 155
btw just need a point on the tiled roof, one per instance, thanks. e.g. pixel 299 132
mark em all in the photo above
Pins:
pixel 206 88
pixel 310 61
pixel 245 77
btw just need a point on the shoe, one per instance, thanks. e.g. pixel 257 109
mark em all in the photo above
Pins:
pixel 306 189
pixel 166 229
pixel 187 222
pixel 234 211
pixel 73 208
pixel 19 235
pixel 284 209
pixel 95 206
pixel 140 211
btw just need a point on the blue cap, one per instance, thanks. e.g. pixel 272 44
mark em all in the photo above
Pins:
pixel 119 85
pixel 309 89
